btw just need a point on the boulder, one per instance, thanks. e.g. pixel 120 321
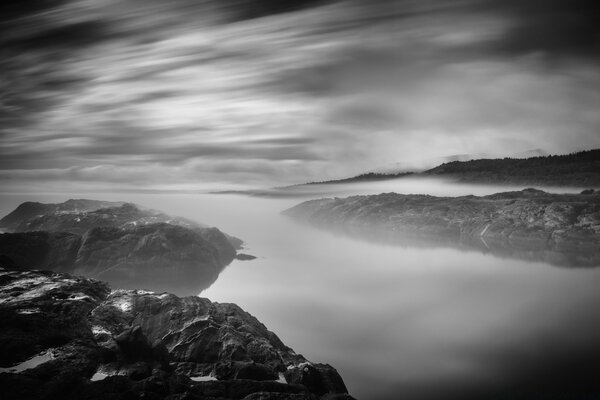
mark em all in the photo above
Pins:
pixel 67 337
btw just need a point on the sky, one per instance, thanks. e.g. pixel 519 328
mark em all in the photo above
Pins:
pixel 196 94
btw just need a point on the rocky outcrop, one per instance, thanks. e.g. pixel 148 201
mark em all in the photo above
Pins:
pixel 79 216
pixel 42 250
pixel 67 337
pixel 29 211
pixel 124 244
pixel 562 229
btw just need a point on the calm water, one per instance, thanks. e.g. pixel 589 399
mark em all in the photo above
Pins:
pixel 398 322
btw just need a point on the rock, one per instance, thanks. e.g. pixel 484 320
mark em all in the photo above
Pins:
pixel 41 310
pixel 562 229
pixel 65 337
pixel 244 257
pixel 31 210
pixel 128 246
pixel 239 389
pixel 79 216
pixel 156 257
pixel 318 378
pixel 41 250
pixel 280 396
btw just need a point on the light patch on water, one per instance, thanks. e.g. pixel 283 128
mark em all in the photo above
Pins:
pixel 31 363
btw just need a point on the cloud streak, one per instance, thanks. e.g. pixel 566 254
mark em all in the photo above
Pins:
pixel 289 92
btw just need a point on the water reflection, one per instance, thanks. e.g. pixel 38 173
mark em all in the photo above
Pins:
pixel 526 250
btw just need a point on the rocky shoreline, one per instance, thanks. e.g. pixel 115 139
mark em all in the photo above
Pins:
pixel 561 229
pixel 122 243
pixel 69 337
pixel 65 336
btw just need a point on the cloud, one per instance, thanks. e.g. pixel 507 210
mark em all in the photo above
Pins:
pixel 320 90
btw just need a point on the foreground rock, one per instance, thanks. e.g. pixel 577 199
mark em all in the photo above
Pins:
pixel 561 229
pixel 66 337
pixel 122 243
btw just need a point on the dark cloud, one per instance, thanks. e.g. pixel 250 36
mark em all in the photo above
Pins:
pixel 561 27
pixel 316 89
pixel 13 9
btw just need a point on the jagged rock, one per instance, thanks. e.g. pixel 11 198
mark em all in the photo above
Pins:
pixel 156 256
pixel 318 378
pixel 79 216
pixel 28 211
pixel 128 246
pixel 562 229
pixel 61 334
pixel 41 250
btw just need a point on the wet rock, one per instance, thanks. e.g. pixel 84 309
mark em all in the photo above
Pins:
pixel 280 396
pixel 245 370
pixel 65 337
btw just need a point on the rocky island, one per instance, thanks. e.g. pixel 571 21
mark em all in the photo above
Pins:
pixel 561 229
pixel 68 337
pixel 125 244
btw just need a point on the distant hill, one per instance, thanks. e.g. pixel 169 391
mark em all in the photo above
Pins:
pixel 575 169
pixel 368 177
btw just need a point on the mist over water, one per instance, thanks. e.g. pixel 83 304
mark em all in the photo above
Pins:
pixel 397 321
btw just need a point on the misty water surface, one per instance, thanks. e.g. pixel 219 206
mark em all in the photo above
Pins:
pixel 397 322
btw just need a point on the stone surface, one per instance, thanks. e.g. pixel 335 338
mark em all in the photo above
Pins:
pixel 79 216
pixel 30 211
pixel 131 344
pixel 122 243
pixel 562 229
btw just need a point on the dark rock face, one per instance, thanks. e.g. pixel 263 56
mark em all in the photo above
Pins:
pixel 65 337
pixel 561 229
pixel 79 216
pixel 29 211
pixel 43 250
pixel 152 256
pixel 128 246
